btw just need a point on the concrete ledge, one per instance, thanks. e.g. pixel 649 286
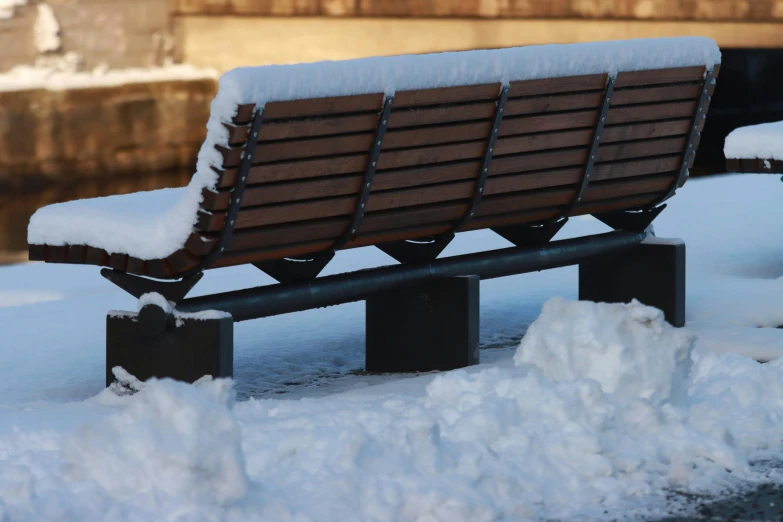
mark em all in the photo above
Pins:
pixel 102 132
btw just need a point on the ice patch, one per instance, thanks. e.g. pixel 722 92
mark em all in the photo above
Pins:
pixel 170 441
pixel 628 349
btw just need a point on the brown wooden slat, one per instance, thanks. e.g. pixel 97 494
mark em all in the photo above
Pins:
pixel 321 106
pixel 361 143
pixel 118 261
pixel 557 85
pixel 628 187
pixel 621 203
pixel 524 201
pixel 538 161
pixel 56 254
pixel 158 268
pixel 76 254
pixel 638 149
pixel 36 252
pixel 181 261
pixel 426 156
pixel 643 131
pixel 656 94
pixel 607 171
pixel 307 128
pixel 658 111
pixel 199 245
pixel 659 76
pixel 442 95
pixel 136 266
pixel 96 256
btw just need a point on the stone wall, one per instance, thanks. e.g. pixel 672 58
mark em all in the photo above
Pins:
pixel 716 10
pixel 64 135
pixel 114 33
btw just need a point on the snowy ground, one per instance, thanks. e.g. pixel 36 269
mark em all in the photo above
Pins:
pixel 569 426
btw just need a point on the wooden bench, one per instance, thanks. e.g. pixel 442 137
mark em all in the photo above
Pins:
pixel 404 171
pixel 756 149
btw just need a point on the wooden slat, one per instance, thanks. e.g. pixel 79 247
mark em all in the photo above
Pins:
pixel 136 266
pixel 659 76
pixel 643 131
pixel 36 252
pixel 76 254
pixel 621 203
pixel 607 171
pixel 536 124
pixel 158 268
pixel 321 106
pixel 657 94
pixel 118 261
pixel 56 254
pixel 96 256
pixel 181 261
pixel 628 187
pixel 639 149
pixel 557 85
pixel 439 96
pixel 199 245
pixel 656 112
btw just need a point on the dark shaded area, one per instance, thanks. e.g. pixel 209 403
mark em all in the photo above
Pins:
pixel 749 91
pixel 764 503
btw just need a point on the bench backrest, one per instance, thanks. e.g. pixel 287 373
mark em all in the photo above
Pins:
pixel 560 147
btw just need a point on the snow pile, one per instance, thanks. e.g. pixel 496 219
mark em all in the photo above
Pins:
pixel 529 440
pixel 764 141
pixel 154 298
pixel 259 85
pixel 610 344
pixel 171 442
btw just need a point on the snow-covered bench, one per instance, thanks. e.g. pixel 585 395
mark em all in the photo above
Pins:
pixel 755 149
pixel 399 152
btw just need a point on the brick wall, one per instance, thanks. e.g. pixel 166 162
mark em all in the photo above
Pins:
pixel 715 10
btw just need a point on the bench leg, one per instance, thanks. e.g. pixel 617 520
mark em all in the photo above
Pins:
pixel 433 326
pixel 653 273
pixel 186 352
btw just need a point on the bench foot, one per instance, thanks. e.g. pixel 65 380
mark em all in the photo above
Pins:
pixel 186 352
pixel 652 272
pixel 433 326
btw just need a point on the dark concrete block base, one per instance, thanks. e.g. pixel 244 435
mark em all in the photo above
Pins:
pixel 186 352
pixel 433 326
pixel 653 273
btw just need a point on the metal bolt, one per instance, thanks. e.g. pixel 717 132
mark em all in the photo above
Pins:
pixel 362 205
pixel 471 214
pixel 602 118
pixel 501 109
pixel 592 157
pixel 255 135
pixel 249 156
pixel 232 221
pixel 373 163
pixel 353 231
pixel 368 185
pixel 496 131
pixel 384 122
pixel 490 149
pixel 244 178
pixel 221 249
pixel 607 99
pixel 481 189
pixel 485 169
pixel 379 143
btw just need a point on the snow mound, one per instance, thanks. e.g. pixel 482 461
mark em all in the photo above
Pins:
pixel 170 441
pixel 764 141
pixel 163 231
pixel 628 349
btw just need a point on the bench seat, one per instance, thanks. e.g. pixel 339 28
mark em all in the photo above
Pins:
pixel 755 149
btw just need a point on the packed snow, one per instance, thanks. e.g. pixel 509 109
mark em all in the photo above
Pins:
pixel 46 30
pixel 763 141
pixel 64 224
pixel 601 411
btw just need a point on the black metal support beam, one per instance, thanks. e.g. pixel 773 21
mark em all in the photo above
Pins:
pixel 478 189
pixel 273 300
pixel 695 134
pixel 599 129
pixel 136 286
